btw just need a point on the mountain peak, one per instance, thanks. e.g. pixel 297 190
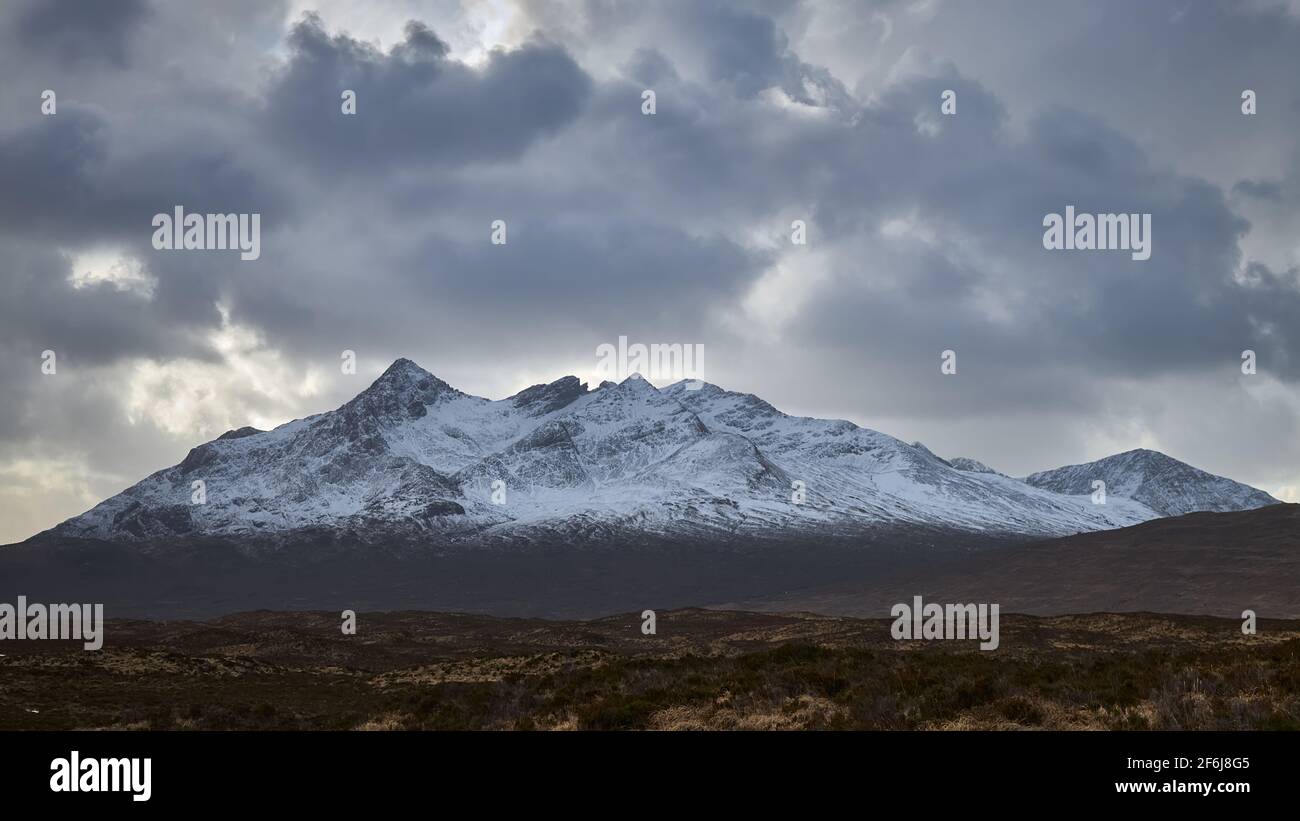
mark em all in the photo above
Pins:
pixel 405 389
pixel 240 433
pixel 971 465
pixel 923 449
pixel 403 371
pixel 1144 454
pixel 1166 485
pixel 694 385
pixel 637 382
pixel 542 399
pixel 403 368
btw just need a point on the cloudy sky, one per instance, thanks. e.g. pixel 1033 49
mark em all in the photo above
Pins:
pixel 924 230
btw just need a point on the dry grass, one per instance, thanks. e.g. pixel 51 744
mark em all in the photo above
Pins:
pixel 704 671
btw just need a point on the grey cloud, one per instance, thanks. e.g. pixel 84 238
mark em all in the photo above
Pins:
pixel 90 326
pixel 1080 315
pixel 67 185
pixel 78 31
pixel 415 105
pixel 1259 189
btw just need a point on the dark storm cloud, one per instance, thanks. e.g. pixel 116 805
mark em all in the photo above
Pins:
pixel 64 185
pixel 746 51
pixel 97 324
pixel 642 278
pixel 1259 189
pixel 80 31
pixel 414 104
pixel 1076 315
pixel 46 171
pixel 742 49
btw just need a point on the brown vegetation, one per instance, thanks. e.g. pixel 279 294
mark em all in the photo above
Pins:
pixel 704 670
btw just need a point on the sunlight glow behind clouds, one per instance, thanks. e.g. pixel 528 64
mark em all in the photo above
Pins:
pixel 248 384
pixel 471 27
pixel 122 272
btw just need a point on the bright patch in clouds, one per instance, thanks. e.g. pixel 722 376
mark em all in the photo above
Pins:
pixel 248 384
pixel 776 299
pixel 122 272
pixel 471 28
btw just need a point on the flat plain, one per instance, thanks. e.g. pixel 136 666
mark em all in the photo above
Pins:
pixel 701 670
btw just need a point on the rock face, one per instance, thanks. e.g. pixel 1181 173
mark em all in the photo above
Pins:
pixel 413 458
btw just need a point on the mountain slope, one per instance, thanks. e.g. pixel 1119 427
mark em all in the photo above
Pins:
pixel 1206 563
pixel 869 476
pixel 413 459
pixel 1164 484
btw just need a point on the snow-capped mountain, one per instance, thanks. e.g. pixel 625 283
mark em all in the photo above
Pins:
pixel 971 465
pixel 413 458
pixel 1162 483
